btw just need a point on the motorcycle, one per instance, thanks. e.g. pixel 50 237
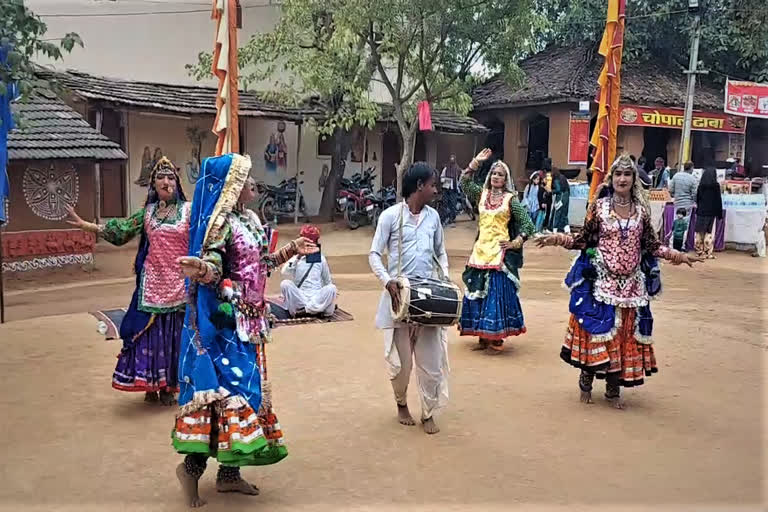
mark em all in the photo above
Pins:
pixel 385 198
pixel 452 203
pixel 280 200
pixel 353 185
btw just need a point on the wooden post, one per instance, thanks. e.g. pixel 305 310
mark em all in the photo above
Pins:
pixel 97 173
pixel 298 153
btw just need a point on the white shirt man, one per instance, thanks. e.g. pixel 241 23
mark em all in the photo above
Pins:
pixel 422 242
pixel 308 287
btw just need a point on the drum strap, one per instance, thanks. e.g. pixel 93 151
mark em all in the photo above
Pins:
pixel 441 275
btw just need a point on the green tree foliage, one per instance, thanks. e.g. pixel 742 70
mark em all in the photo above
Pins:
pixel 436 50
pixel 23 33
pixel 310 59
pixel 734 37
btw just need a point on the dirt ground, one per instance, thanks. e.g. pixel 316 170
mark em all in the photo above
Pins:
pixel 513 437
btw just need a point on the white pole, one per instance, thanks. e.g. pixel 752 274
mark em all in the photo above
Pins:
pixel 685 141
pixel 296 203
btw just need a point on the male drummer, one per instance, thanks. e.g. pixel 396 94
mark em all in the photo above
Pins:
pixel 422 240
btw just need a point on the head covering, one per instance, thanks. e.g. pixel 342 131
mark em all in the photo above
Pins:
pixel 216 192
pixel 310 232
pixel 164 167
pixel 624 162
pixel 508 184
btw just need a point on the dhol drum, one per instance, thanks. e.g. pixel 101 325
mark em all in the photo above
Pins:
pixel 429 302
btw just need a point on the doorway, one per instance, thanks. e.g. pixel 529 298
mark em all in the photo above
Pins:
pixel 655 142
pixel 112 171
pixel 390 157
pixel 538 142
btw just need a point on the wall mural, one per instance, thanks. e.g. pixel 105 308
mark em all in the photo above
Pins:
pixel 48 193
pixel 148 161
pixel 32 250
pixel 195 136
pixel 276 152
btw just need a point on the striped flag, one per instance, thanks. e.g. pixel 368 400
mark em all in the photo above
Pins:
pixel 226 127
pixel 604 136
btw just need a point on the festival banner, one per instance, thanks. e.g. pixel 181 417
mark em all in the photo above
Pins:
pixel 578 138
pixel 746 99
pixel 633 115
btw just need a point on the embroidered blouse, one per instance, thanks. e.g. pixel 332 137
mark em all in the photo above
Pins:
pixel 619 245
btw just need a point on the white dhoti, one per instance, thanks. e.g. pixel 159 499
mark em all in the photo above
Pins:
pixel 321 301
pixel 428 346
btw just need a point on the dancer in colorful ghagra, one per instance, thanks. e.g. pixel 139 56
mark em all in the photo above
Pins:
pixel 151 328
pixel 491 308
pixel 226 405
pixel 611 283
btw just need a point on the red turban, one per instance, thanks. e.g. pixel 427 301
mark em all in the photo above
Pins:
pixel 310 232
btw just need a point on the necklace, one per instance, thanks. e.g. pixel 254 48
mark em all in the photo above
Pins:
pixel 494 199
pixel 624 228
pixel 622 202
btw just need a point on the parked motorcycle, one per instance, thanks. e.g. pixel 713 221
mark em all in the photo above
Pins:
pixel 452 203
pixel 359 207
pixel 353 185
pixel 280 201
pixel 385 198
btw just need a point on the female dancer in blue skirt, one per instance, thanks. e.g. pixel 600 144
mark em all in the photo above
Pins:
pixel 492 308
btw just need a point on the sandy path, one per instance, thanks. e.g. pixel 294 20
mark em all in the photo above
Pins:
pixel 513 435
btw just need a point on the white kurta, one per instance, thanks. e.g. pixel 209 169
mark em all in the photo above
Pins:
pixel 422 237
pixel 317 294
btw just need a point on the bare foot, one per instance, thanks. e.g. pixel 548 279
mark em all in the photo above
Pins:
pixel 151 397
pixel 430 427
pixel 404 416
pixel 491 351
pixel 616 402
pixel 167 398
pixel 586 397
pixel 481 345
pixel 189 487
pixel 239 485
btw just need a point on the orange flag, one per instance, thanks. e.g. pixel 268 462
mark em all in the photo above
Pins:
pixel 226 124
pixel 604 136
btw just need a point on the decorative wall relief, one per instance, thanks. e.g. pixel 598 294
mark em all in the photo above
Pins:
pixel 49 193
pixel 32 250
pixel 195 136
pixel 276 152
pixel 148 161
pixel 323 177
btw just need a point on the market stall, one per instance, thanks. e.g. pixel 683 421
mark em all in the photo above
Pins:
pixel 742 221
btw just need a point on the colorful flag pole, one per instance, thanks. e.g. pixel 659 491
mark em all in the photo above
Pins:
pixel 226 125
pixel 604 136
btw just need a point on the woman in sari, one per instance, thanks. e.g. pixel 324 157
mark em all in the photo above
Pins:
pixel 226 402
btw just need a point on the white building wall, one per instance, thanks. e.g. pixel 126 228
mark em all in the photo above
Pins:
pixel 257 137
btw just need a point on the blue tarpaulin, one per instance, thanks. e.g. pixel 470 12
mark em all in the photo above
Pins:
pixel 6 125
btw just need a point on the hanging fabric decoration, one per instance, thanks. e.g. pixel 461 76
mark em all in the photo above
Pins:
pixel 609 81
pixel 225 126
pixel 425 117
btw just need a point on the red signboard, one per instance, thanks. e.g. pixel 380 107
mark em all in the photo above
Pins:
pixel 746 99
pixel 578 138
pixel 633 115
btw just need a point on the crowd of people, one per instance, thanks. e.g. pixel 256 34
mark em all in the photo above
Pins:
pixel 199 321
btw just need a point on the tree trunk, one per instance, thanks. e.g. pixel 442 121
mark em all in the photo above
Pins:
pixel 342 143
pixel 408 136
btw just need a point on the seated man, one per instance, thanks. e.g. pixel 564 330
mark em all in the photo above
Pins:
pixel 308 288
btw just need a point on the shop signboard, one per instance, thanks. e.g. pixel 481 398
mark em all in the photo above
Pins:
pixel 746 99
pixel 661 117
